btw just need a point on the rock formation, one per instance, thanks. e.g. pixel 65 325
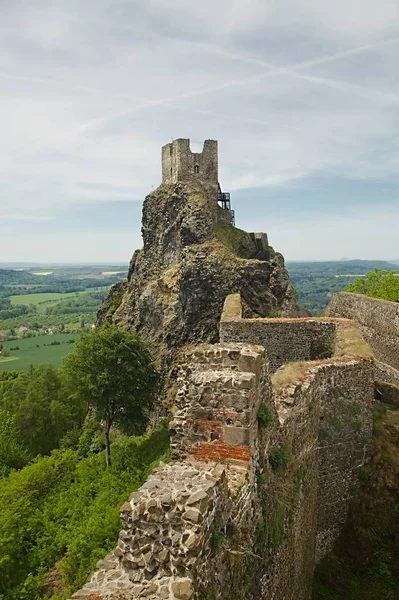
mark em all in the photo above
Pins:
pixel 191 260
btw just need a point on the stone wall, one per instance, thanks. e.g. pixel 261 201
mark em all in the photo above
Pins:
pixel 378 319
pixel 180 164
pixel 384 372
pixel 387 393
pixel 258 489
pixel 285 340
pixel 217 405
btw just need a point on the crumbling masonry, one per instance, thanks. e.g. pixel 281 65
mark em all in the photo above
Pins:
pixel 265 459
pixel 270 426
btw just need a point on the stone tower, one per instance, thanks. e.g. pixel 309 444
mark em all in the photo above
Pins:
pixel 180 164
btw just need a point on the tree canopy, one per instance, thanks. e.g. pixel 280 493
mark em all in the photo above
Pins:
pixel 41 409
pixel 377 284
pixel 114 372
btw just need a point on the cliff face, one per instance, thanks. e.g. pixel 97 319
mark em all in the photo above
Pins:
pixel 189 263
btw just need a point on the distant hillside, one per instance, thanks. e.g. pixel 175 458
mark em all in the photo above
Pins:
pixel 340 267
pixel 316 281
pixel 8 276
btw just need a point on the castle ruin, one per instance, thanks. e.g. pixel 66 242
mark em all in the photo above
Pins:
pixel 271 423
pixel 179 164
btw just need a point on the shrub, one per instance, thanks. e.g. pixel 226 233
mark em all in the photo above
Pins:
pixel 64 509
pixel 265 415
pixel 278 458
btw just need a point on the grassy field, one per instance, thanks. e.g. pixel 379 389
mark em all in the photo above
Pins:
pixel 45 300
pixel 112 272
pixel 30 354
pixel 40 298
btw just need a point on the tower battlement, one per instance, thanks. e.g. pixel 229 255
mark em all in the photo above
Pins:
pixel 180 164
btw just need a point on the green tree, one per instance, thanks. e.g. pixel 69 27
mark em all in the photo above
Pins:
pixel 12 453
pixel 377 284
pixel 114 372
pixel 44 407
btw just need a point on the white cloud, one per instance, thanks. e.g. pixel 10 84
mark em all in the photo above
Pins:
pixel 91 90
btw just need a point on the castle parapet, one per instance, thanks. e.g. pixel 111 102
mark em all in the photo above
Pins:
pixel 179 163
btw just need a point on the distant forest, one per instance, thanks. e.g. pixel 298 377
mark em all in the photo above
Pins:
pixel 315 282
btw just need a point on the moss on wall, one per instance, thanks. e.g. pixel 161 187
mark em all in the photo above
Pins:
pixel 237 240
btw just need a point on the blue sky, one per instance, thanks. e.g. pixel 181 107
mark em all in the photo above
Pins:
pixel 303 96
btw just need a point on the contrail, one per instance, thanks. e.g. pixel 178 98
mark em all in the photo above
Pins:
pixel 271 72
pixel 64 84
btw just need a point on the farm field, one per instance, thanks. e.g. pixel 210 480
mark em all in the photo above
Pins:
pixel 36 350
pixel 40 298
pixel 43 273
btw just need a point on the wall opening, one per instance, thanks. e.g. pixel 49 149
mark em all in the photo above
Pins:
pixel 171 171
pixel 196 147
pixel 196 169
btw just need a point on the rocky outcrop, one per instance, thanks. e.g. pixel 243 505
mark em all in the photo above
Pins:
pixel 190 261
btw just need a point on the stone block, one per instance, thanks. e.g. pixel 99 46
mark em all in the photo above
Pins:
pixel 236 436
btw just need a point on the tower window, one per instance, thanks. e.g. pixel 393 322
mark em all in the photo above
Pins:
pixel 171 171
pixel 196 169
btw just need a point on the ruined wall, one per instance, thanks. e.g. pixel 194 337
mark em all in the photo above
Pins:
pixel 378 319
pixel 217 407
pixel 344 438
pixel 388 393
pixel 180 164
pixel 284 339
pixel 259 487
pixel 174 527
pixel 383 372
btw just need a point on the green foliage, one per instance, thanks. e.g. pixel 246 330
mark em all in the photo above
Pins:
pixel 316 281
pixel 232 237
pixel 43 408
pixel 278 458
pixel 364 473
pixel 299 477
pixel 116 302
pixel 91 437
pixel 62 513
pixel 276 526
pixel 38 350
pixel 12 453
pixel 265 415
pixel 217 539
pixel 377 284
pixel 114 372
pixel 323 434
pixel 261 479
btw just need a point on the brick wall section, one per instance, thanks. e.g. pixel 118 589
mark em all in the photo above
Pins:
pixel 285 340
pixel 221 387
pixel 378 319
